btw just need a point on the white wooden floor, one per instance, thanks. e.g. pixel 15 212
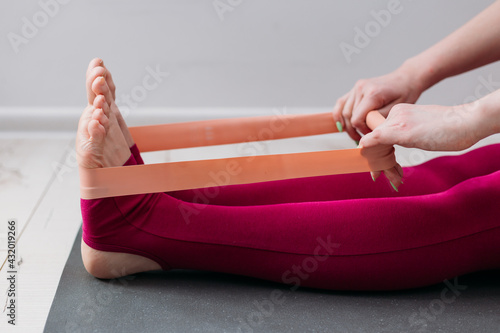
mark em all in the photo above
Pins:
pixel 39 188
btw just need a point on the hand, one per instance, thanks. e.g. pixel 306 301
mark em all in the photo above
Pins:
pixel 380 93
pixel 428 127
pixel 383 154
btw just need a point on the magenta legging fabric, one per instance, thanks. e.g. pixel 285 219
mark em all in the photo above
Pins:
pixel 341 232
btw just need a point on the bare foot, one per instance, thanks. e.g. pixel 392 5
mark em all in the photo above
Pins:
pixel 100 143
pixel 96 68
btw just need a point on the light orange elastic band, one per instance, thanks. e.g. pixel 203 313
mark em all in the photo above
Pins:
pixel 164 177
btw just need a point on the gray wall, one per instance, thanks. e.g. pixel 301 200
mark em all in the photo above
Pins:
pixel 262 53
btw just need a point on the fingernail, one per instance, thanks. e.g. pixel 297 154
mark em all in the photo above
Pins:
pixel 373 178
pixel 339 126
pixel 394 187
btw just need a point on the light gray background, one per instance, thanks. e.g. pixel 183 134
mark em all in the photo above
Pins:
pixel 263 54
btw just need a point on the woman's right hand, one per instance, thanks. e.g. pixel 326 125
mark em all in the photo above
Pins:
pixel 379 93
pixel 435 127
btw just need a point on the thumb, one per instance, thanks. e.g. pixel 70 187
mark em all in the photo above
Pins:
pixel 371 139
pixel 382 135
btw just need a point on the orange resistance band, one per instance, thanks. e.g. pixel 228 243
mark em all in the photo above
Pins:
pixel 173 176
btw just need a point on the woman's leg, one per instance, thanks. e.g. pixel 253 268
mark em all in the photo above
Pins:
pixel 366 243
pixel 374 243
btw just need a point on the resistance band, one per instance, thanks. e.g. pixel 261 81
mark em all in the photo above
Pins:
pixel 174 176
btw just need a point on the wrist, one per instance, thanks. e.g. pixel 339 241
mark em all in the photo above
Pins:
pixel 486 113
pixel 422 74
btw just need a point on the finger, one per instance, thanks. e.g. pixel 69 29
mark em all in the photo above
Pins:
pixel 375 174
pixel 384 134
pixel 337 113
pixel 394 175
pixel 347 114
pixel 359 97
pixel 351 130
pixel 359 114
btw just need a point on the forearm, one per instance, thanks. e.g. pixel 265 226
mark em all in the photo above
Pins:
pixel 473 45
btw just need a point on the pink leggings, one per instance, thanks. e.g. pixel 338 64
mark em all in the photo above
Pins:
pixel 334 232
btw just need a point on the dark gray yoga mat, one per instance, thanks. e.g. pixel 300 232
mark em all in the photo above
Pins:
pixel 193 301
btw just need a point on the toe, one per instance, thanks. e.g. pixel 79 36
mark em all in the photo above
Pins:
pixel 100 87
pixel 96 68
pixel 110 82
pixel 91 76
pixel 100 103
pixel 89 140
pixel 83 133
pixel 94 63
pixel 97 132
pixel 99 115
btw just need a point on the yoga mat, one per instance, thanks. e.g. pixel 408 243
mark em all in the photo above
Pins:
pixel 194 301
